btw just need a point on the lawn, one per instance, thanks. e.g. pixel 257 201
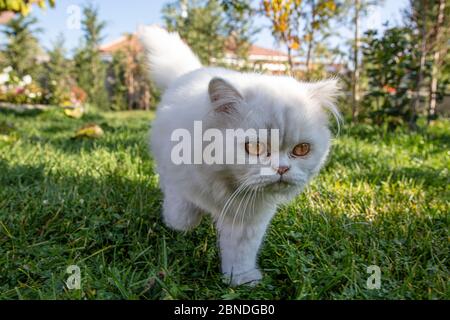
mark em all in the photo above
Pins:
pixel 383 199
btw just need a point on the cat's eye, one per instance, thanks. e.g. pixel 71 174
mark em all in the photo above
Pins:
pixel 301 150
pixel 255 148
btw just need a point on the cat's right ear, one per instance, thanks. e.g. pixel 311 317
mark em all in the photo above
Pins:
pixel 223 96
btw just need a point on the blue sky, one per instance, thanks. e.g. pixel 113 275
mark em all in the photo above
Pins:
pixel 125 16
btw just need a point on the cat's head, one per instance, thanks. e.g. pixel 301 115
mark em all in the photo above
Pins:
pixel 299 114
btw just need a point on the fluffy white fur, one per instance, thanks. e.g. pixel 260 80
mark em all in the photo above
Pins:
pixel 170 57
pixel 240 200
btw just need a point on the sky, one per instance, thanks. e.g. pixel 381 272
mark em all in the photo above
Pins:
pixel 124 17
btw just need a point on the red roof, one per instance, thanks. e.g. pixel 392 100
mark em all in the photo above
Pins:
pixel 260 51
pixel 253 50
pixel 129 41
pixel 6 16
pixel 132 41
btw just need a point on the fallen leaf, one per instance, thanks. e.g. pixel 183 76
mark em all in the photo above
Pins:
pixel 75 113
pixel 89 131
pixel 8 138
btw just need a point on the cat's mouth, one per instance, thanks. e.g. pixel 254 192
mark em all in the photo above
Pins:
pixel 274 183
pixel 280 183
pixel 284 182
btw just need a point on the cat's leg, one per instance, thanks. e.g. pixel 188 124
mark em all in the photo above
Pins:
pixel 180 214
pixel 239 245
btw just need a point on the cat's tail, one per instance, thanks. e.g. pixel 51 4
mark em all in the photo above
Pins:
pixel 168 56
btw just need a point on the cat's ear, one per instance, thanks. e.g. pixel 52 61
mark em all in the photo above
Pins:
pixel 326 93
pixel 224 97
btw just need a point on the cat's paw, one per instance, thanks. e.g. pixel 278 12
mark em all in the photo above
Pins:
pixel 249 278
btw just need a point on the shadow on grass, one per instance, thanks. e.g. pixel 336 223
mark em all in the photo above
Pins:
pixel 22 114
pixel 112 193
pixel 99 222
pixel 12 176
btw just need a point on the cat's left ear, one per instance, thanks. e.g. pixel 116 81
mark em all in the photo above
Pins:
pixel 326 93
pixel 224 97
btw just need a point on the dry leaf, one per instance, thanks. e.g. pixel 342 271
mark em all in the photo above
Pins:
pixel 89 131
pixel 75 113
pixel 8 138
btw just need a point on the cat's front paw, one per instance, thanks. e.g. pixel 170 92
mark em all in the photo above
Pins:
pixel 250 278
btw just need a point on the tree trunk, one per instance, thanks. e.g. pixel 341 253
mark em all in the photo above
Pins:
pixel 310 41
pixel 291 63
pixel 355 80
pixel 423 54
pixel 308 57
pixel 436 62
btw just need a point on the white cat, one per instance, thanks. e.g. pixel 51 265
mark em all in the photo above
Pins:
pixel 239 198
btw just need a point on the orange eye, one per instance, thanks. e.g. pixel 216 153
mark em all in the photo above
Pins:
pixel 255 148
pixel 302 149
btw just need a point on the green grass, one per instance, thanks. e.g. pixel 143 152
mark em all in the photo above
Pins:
pixel 383 199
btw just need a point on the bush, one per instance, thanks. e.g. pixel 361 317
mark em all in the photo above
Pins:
pixel 391 68
pixel 16 89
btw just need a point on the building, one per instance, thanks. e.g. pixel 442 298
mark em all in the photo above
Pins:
pixel 259 58
pixel 6 16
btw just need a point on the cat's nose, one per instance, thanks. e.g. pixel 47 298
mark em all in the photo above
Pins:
pixel 282 170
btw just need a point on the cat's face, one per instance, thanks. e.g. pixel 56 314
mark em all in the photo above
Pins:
pixel 296 111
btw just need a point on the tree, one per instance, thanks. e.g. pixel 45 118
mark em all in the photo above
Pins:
pixel 239 26
pixel 391 65
pixel 317 20
pixel 284 16
pixel 201 24
pixel 439 46
pixel 357 9
pixel 116 81
pixel 415 17
pixel 22 49
pixel 23 6
pixel 90 70
pixel 57 78
pixel 298 24
pixel 428 20
pixel 129 81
